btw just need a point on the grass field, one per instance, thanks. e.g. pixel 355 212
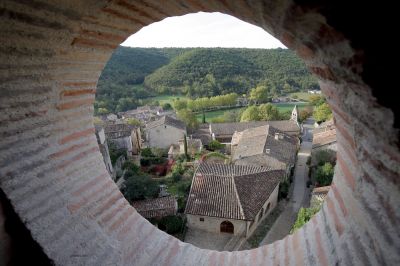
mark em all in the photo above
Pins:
pixel 302 96
pixel 166 98
pixel 282 107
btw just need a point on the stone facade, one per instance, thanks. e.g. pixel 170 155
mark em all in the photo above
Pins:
pixel 52 173
pixel 162 135
pixel 103 146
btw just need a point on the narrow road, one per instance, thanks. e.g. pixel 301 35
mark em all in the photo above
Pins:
pixel 284 223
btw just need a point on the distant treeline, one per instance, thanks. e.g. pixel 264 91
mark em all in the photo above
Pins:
pixel 138 73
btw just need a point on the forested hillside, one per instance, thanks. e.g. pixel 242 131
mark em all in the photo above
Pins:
pixel 214 71
pixel 137 73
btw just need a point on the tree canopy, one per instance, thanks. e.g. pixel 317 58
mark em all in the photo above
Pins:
pixel 322 112
pixel 134 74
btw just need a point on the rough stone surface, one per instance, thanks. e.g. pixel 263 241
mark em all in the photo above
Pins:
pixel 51 55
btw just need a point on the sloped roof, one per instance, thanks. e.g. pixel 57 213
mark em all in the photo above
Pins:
pixel 157 207
pixel 114 131
pixel 203 133
pixel 324 138
pixel 321 190
pixel 192 143
pixel 325 126
pixel 288 126
pixel 167 120
pixel 259 146
pixel 231 191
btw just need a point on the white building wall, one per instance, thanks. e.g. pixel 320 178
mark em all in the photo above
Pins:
pixel 163 136
pixel 212 224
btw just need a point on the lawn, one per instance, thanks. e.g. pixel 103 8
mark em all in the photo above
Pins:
pixel 166 98
pixel 283 107
pixel 301 96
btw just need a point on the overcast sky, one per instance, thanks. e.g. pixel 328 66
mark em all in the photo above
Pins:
pixel 202 30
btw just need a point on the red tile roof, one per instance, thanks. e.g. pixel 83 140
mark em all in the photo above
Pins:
pixel 231 191
pixel 157 207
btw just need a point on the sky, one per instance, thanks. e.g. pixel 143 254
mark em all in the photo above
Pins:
pixel 202 30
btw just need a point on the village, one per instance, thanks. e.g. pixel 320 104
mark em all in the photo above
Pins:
pixel 222 186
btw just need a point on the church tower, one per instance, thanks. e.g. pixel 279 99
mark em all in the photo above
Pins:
pixel 295 114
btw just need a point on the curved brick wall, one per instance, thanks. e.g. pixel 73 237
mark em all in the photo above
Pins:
pixel 52 53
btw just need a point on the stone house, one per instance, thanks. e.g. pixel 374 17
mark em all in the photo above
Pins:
pixel 318 196
pixel 156 208
pixel 223 132
pixel 231 198
pixel 125 137
pixel 164 132
pixel 193 146
pixel 102 142
pixel 324 137
pixel 264 146
pixel 144 113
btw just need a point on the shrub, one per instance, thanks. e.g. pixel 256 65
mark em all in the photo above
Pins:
pixel 283 190
pixel 215 145
pixel 304 215
pixel 130 166
pixel 176 177
pixel 324 174
pixel 146 152
pixel 325 156
pixel 172 224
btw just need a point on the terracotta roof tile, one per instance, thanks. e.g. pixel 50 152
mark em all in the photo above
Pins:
pixel 231 191
pixel 157 207
pixel 167 120
pixel 287 126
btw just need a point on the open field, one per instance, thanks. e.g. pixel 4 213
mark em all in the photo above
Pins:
pixel 283 107
pixel 301 96
pixel 166 98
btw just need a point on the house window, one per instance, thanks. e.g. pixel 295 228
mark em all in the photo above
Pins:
pixel 261 214
pixel 268 206
pixel 201 219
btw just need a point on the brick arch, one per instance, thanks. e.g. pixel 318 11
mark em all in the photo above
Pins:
pixel 53 175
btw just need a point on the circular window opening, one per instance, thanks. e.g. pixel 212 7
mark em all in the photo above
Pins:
pixel 198 93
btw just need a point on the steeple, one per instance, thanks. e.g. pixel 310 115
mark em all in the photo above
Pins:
pixel 295 114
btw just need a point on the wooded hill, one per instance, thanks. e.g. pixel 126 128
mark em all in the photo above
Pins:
pixel 198 72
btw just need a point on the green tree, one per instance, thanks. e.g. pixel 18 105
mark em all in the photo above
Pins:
pixel 171 224
pixel 305 113
pixel 304 215
pixel 232 116
pixel 324 174
pixel 322 113
pixel 139 186
pixel 268 112
pixel 215 145
pixel 188 118
pixel 316 100
pixel 179 104
pixel 102 111
pixel 259 94
pixel 250 114
pixel 146 152
pixel 166 106
pixel 185 148
pixel 325 156
pixel 133 122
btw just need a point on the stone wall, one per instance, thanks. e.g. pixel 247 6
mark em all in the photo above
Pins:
pixel 213 224
pixel 164 136
pixel 272 201
pixel 51 170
